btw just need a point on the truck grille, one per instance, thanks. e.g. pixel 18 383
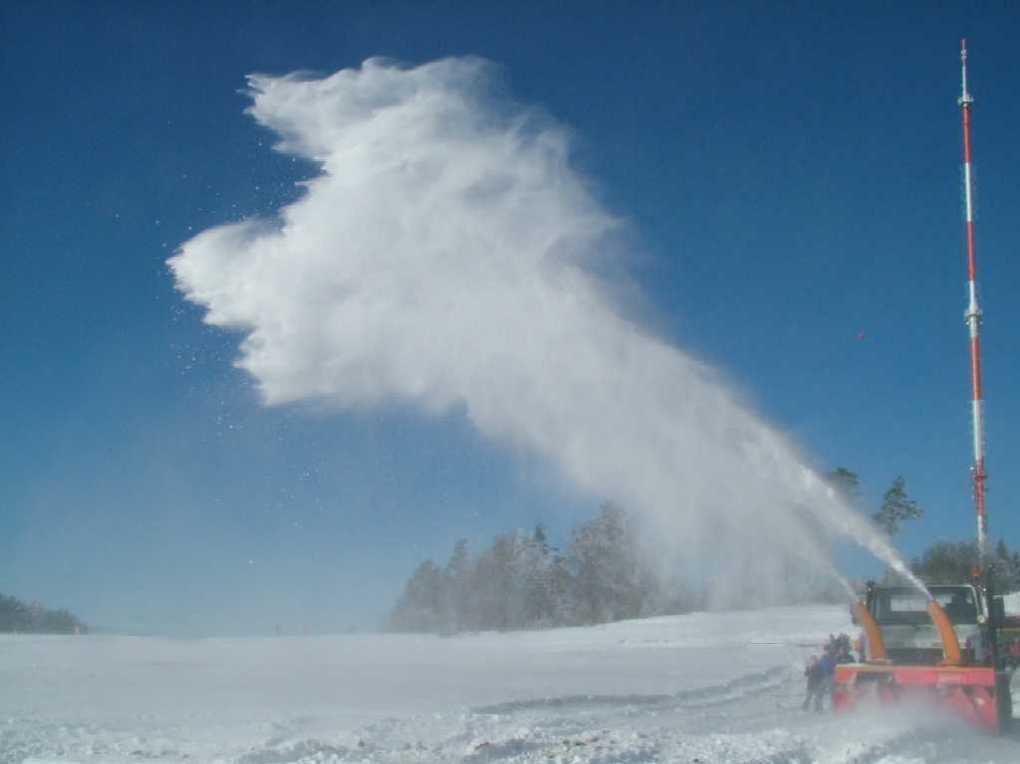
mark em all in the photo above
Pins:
pixel 915 656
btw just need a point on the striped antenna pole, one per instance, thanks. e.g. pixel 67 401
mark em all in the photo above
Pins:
pixel 973 320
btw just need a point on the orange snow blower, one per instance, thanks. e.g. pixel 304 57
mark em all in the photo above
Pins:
pixel 912 650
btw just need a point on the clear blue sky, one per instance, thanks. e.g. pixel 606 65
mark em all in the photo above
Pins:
pixel 792 175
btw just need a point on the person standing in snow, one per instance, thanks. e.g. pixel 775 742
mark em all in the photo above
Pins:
pixel 842 651
pixel 825 670
pixel 813 676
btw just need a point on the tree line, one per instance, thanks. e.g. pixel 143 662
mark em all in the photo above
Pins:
pixel 521 581
pixel 944 562
pixel 952 562
pixel 18 616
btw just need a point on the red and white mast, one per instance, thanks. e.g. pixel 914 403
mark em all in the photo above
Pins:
pixel 973 320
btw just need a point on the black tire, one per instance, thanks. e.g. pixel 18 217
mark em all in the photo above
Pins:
pixel 1004 701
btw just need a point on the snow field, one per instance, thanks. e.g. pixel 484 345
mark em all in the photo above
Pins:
pixel 704 687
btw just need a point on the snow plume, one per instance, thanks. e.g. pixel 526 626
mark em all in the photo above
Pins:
pixel 448 256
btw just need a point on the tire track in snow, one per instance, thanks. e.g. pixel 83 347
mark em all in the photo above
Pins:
pixel 742 687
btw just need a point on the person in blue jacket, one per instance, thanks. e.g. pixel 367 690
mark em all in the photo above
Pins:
pixel 826 673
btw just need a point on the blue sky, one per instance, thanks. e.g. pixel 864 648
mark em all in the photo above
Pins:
pixel 792 180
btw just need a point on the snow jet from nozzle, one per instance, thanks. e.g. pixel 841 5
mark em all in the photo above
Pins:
pixel 448 256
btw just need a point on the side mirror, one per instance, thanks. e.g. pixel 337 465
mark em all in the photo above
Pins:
pixel 997 611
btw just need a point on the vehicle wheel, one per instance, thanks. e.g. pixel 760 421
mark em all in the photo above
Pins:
pixel 1004 700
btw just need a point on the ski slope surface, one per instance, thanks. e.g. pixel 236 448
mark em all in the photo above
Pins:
pixel 706 688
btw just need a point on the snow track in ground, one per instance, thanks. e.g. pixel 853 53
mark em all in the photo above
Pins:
pixel 705 688
pixel 706 696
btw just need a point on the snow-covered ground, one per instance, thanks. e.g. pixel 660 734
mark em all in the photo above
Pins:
pixel 706 688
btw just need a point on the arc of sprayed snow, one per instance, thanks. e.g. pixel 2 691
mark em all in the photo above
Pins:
pixel 441 257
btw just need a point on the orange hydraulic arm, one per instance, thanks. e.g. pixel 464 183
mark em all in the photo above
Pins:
pixel 876 646
pixel 950 644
